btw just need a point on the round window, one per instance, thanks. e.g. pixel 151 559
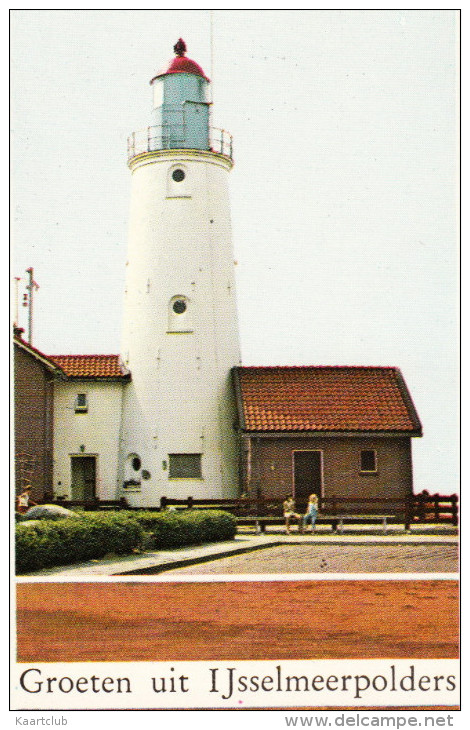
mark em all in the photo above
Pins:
pixel 136 463
pixel 179 306
pixel 178 175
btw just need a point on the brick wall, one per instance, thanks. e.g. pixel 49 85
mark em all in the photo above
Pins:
pixel 272 465
pixel 33 423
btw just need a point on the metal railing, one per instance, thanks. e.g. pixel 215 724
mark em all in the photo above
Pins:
pixel 175 136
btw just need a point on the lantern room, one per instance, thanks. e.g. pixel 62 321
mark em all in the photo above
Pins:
pixel 181 104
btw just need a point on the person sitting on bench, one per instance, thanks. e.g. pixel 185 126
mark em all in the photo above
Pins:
pixel 312 512
pixel 289 512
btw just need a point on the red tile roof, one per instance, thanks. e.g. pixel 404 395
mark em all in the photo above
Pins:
pixel 324 399
pixel 102 367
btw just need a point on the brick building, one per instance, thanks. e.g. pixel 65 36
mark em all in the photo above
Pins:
pixel 335 431
pixel 34 377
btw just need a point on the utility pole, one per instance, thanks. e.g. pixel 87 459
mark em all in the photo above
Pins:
pixel 17 318
pixel 31 287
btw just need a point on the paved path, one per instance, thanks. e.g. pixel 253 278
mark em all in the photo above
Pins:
pixel 338 558
pixel 362 551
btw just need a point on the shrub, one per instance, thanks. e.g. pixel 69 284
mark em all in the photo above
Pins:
pixel 44 543
pixel 51 542
pixel 175 529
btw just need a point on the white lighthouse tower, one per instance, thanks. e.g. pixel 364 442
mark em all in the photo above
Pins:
pixel 180 337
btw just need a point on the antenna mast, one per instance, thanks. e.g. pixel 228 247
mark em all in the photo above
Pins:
pixel 17 318
pixel 31 287
pixel 211 15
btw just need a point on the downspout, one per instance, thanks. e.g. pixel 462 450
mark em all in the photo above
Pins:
pixel 248 467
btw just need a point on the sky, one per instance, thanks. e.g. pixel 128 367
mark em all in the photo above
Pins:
pixel 344 192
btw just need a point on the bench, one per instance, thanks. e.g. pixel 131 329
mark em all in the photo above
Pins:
pixel 341 519
pixel 262 512
pixel 337 521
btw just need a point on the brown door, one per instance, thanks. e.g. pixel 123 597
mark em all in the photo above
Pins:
pixel 307 476
pixel 83 477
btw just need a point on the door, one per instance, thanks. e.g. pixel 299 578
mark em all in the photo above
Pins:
pixel 196 123
pixel 307 476
pixel 83 477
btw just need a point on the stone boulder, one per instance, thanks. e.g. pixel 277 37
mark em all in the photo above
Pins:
pixel 48 512
pixel 29 523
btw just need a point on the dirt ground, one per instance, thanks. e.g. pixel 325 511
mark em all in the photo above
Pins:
pixel 140 621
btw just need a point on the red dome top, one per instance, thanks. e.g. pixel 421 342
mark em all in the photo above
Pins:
pixel 181 64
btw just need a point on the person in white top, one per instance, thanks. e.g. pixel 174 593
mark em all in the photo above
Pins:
pixel 24 501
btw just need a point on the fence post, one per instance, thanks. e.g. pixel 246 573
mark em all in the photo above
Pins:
pixel 455 514
pixel 437 512
pixel 422 506
pixel 163 501
pixel 334 505
pixel 408 511
pixel 190 502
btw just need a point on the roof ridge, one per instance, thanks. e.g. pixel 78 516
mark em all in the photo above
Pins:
pixel 318 367
pixel 97 355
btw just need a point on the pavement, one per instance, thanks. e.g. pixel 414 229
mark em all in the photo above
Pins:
pixel 248 542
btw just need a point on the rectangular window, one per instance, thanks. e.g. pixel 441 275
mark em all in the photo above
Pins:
pixel 185 466
pixel 81 403
pixel 369 460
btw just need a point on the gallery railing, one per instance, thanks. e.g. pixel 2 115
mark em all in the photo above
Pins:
pixel 177 136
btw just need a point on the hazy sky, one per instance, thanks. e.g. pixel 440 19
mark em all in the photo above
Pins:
pixel 344 190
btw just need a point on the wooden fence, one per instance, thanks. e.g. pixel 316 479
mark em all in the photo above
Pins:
pixel 416 509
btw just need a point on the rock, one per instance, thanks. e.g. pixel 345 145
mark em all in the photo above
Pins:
pixel 30 523
pixel 48 512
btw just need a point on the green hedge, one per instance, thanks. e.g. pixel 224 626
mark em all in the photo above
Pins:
pixel 175 529
pixel 60 542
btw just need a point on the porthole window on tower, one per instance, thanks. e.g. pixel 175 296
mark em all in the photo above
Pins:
pixel 179 306
pixel 178 181
pixel 179 314
pixel 132 475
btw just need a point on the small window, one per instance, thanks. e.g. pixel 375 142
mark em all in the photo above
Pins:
pixel 369 460
pixel 132 472
pixel 178 182
pixel 179 314
pixel 185 466
pixel 179 307
pixel 81 403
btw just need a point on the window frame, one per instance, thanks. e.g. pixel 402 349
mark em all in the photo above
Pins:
pixel 81 408
pixel 173 466
pixel 368 471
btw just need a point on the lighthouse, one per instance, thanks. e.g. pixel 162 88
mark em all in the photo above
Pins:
pixel 180 331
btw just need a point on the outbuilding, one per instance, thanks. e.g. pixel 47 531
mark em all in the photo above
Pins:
pixel 333 431
pixel 87 418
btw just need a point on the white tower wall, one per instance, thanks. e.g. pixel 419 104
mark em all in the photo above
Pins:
pixel 180 399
